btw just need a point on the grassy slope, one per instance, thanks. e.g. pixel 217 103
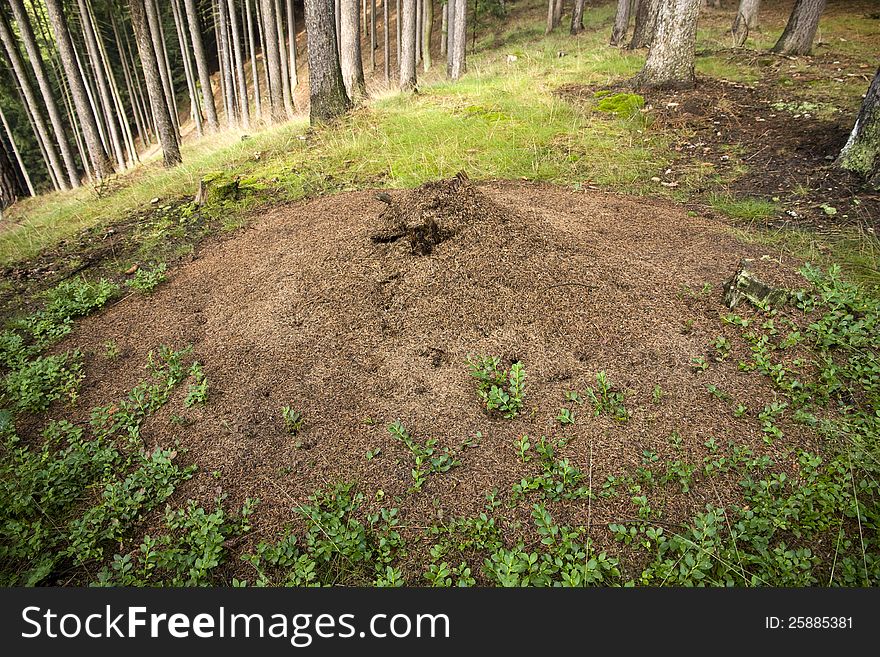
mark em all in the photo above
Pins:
pixel 502 121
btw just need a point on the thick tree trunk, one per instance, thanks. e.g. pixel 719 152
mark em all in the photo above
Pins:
pixel 241 78
pixel 152 75
pixel 577 17
pixel 459 40
pixel 327 95
pixel 746 21
pixel 103 89
pixel 261 25
pixel 195 32
pixel 408 45
pixel 272 58
pixel 350 50
pixel 155 27
pixel 427 29
pixel 33 52
pixel 797 38
pixel 645 23
pixel 33 105
pixel 24 173
pixel 621 22
pixel 861 154
pixel 670 61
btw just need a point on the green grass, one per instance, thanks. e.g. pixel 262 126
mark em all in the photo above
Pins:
pixel 744 209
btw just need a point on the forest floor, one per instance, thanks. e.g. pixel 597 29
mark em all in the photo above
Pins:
pixel 657 437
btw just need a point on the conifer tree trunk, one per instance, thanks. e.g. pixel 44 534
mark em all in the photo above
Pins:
pixel 272 58
pixel 444 28
pixel 243 107
pixel 155 31
pixel 577 17
pixel 230 92
pixel 188 66
pixel 746 21
pixel 291 45
pixel 373 35
pixel 670 61
pixel 459 40
pixel 797 38
pixel 252 54
pixel 287 92
pixel 102 87
pixel 152 75
pixel 13 188
pixel 645 23
pixel 195 33
pixel 408 45
pixel 33 53
pixel 427 28
pixel 140 124
pixel 385 42
pixel 13 56
pixel 861 154
pixel 621 22
pixel 9 185
pixel 327 96
pixel 350 50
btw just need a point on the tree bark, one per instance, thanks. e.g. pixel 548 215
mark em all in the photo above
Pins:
pixel 9 185
pixel 291 45
pixel 645 23
pixel 33 52
pixel 746 21
pixel 861 154
pixel 327 96
pixel 427 29
pixel 272 58
pixel 670 61
pixel 397 27
pixel 408 45
pixel 158 102
pixel 350 51
pixel 444 28
pixel 241 79
pixel 459 40
pixel 129 85
pixel 386 42
pixel 21 167
pixel 373 35
pixel 155 30
pixel 450 34
pixel 621 22
pixel 33 105
pixel 252 54
pixel 188 66
pixel 797 38
pixel 577 17
pixel 103 89
pixel 286 91
pixel 227 68
pixel 195 32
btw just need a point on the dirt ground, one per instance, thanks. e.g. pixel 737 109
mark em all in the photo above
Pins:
pixel 316 307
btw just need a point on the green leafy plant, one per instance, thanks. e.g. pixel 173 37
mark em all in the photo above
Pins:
pixel 197 393
pixel 606 399
pixel 428 457
pixel 147 280
pixel 502 390
pixel 293 420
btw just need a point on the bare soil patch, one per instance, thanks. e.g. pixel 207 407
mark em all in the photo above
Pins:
pixel 307 309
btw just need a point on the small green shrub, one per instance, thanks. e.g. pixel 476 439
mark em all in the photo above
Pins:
pixel 501 390
pixel 146 281
pixel 37 383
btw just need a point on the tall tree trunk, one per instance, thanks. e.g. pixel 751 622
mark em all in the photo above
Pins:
pixel 861 154
pixel 645 23
pixel 797 38
pixel 230 92
pixel 195 32
pixel 557 13
pixel 577 17
pixel 419 17
pixel 621 22
pixel 427 28
pixel 93 101
pixel 21 167
pixel 373 35
pixel 291 45
pixel 103 89
pixel 399 28
pixel 450 35
pixel 149 121
pixel 155 32
pixel 327 95
pixel 459 40
pixel 350 51
pixel 746 20
pixel 670 61
pixel 386 43
pixel 408 45
pixel 272 57
pixel 9 185
pixel 258 16
pixel 444 28
pixel 252 54
pixel 33 52
pixel 33 105
pixel 244 108
pixel 146 45
pixel 286 91
pixel 138 116
pixel 188 66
